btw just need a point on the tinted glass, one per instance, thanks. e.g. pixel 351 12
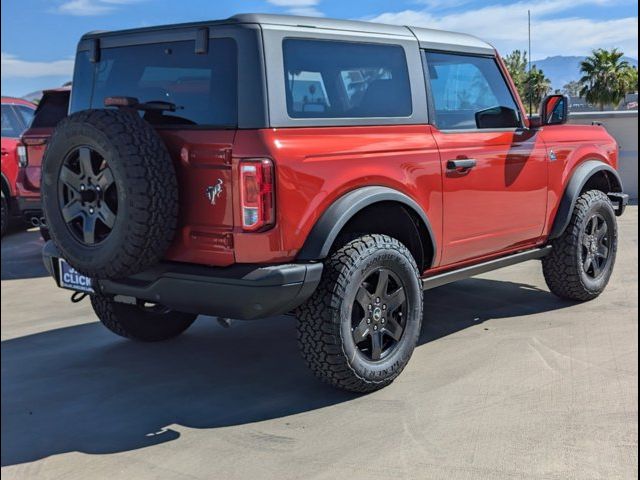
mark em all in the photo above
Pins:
pixel 328 79
pixel 25 113
pixel 11 127
pixel 52 108
pixel 202 87
pixel 467 88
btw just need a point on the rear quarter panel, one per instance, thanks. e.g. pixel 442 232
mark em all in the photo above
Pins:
pixel 316 166
pixel 573 145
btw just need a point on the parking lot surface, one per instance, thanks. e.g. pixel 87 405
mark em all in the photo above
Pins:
pixel 508 382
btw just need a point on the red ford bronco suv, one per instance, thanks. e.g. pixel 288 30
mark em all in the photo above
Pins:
pixel 263 164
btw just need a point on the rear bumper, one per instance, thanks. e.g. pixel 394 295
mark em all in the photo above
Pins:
pixel 29 206
pixel 243 292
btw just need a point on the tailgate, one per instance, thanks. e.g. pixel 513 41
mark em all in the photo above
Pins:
pixel 205 220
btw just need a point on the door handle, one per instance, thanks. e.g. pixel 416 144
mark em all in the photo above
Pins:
pixel 461 164
pixel 5 152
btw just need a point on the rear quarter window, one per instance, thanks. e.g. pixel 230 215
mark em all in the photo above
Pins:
pixel 203 87
pixel 333 79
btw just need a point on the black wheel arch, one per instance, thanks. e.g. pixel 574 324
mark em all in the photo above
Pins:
pixel 600 175
pixel 346 208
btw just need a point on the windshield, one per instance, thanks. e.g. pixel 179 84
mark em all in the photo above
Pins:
pixel 201 86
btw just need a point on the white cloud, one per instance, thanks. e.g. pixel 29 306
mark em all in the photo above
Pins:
pixel 505 26
pixel 305 8
pixel 87 8
pixel 14 67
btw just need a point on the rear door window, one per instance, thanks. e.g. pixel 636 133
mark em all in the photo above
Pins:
pixel 201 87
pixel 465 85
pixel 25 113
pixel 332 79
pixel 11 125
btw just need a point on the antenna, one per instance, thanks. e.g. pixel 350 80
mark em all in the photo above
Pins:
pixel 529 66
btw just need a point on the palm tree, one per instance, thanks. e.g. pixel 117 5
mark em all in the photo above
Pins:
pixel 605 77
pixel 537 86
pixel 572 88
pixel 631 79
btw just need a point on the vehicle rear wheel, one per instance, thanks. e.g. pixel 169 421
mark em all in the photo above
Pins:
pixel 581 261
pixel 147 323
pixel 5 215
pixel 361 325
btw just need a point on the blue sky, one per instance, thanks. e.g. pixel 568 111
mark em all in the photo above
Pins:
pixel 39 36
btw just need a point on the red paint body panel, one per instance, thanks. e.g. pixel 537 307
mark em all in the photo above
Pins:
pixel 10 163
pixel 573 145
pixel 9 154
pixel 506 204
pixel 35 140
pixel 498 205
pixel 205 230
pixel 316 166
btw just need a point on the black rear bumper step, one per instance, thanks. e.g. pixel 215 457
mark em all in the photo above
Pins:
pixel 243 292
pixel 480 268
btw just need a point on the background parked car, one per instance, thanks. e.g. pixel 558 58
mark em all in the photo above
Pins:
pixel 52 108
pixel 16 117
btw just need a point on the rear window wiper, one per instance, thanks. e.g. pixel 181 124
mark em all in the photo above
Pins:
pixel 134 103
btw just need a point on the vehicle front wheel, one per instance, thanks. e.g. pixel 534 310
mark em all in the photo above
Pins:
pixel 147 323
pixel 581 261
pixel 361 325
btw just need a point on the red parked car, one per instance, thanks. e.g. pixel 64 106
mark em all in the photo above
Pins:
pixel 264 164
pixel 16 116
pixel 52 108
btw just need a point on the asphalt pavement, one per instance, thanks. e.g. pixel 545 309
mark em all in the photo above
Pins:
pixel 508 382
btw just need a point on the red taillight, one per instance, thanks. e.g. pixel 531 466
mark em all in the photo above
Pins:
pixel 23 159
pixel 257 194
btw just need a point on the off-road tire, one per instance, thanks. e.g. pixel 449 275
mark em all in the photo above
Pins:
pixel 562 268
pixel 324 320
pixel 138 323
pixel 5 216
pixel 147 192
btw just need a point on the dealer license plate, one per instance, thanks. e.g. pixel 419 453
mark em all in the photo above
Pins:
pixel 68 277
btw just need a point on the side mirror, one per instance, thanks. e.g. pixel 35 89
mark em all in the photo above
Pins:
pixel 554 110
pixel 497 117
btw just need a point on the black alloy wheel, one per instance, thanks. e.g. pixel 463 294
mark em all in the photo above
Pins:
pixel 596 245
pixel 378 314
pixel 88 195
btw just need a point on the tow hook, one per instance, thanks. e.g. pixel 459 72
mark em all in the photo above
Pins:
pixel 77 297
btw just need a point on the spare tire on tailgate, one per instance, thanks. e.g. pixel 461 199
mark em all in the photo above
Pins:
pixel 109 193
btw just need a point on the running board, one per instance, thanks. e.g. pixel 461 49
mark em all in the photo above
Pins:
pixel 473 270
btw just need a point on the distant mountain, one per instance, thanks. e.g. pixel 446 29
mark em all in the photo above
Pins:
pixel 563 69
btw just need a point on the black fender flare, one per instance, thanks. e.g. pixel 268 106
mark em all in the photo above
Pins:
pixel 578 180
pixel 336 216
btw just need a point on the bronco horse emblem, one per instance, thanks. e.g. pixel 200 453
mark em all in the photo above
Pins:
pixel 214 191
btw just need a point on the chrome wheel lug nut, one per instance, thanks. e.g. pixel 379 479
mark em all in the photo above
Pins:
pixel 375 327
pixel 91 210
pixel 370 307
pixel 82 187
pixel 368 320
pixel 378 300
pixel 384 307
pixel 382 321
